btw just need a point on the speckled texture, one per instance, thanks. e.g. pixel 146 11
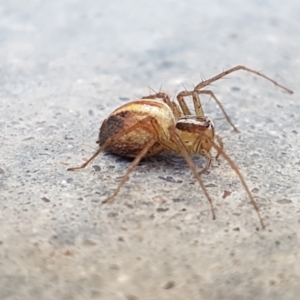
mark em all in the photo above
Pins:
pixel 64 66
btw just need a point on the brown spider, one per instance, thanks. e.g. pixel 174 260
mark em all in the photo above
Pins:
pixel 149 126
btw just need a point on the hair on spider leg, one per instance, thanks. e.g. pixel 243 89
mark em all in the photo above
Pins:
pixel 151 90
pixel 202 77
pixel 160 88
pixel 183 87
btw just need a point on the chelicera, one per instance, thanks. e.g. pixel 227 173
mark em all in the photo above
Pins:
pixel 153 124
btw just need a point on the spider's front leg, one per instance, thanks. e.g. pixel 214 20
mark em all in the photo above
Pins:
pixel 196 100
pixel 207 82
pixel 197 104
pixel 210 93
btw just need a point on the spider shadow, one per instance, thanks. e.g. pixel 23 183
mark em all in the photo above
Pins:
pixel 166 164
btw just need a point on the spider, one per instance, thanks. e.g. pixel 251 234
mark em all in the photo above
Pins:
pixel 153 124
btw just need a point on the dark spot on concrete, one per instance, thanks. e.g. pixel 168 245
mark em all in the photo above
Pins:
pixel 129 205
pixel 272 282
pixel 96 168
pixel 68 253
pixel 284 201
pixel 125 99
pixel 226 194
pixel 170 179
pixel 178 200
pixel 235 89
pixel 88 242
pixel 112 214
pixel 67 137
pixel 169 285
pixel 46 199
pixel 161 209
pixel 210 185
pixel 28 139
pixel 132 297
pixel 114 267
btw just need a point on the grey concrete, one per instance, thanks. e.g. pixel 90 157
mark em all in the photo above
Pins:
pixel 65 65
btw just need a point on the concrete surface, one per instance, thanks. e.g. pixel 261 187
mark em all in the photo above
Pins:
pixel 65 65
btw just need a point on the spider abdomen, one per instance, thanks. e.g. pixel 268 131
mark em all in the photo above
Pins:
pixel 132 115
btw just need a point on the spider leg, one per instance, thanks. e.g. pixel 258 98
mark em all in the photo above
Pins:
pixel 208 161
pixel 221 145
pixel 176 110
pixel 197 103
pixel 180 98
pixel 180 146
pixel 198 106
pixel 198 148
pixel 207 82
pixel 207 92
pixel 238 173
pixel 134 163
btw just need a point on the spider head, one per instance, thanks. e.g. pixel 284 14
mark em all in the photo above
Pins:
pixel 196 133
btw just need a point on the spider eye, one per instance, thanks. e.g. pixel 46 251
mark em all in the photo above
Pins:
pixel 210 124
